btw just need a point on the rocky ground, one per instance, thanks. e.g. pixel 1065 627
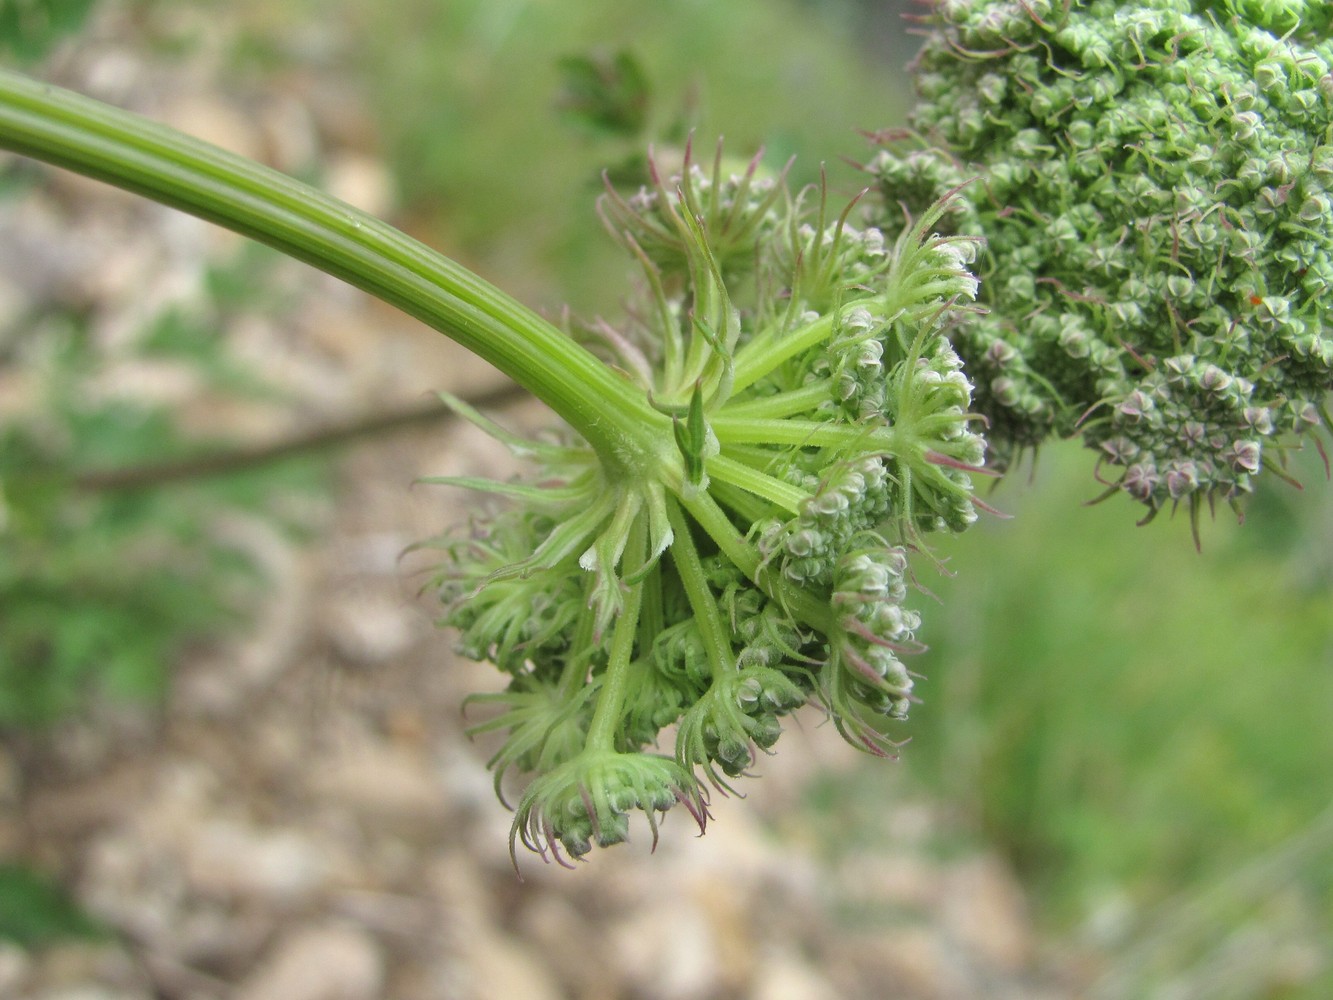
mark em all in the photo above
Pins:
pixel 305 820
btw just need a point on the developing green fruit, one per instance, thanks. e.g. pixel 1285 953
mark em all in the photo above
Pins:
pixel 1154 185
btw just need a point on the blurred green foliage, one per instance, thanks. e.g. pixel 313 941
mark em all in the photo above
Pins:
pixel 101 586
pixel 467 97
pixel 29 29
pixel 606 94
pixel 35 911
pixel 1140 728
pixel 1126 717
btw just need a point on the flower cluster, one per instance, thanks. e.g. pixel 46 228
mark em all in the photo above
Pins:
pixel 815 427
pixel 1154 184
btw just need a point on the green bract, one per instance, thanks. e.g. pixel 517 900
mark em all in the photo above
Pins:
pixel 1154 184
pixel 819 427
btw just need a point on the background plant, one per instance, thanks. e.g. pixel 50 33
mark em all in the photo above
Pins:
pixel 102 583
pixel 29 29
pixel 483 80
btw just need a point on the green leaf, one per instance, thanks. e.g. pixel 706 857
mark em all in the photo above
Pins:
pixel 29 29
pixel 607 94
pixel 34 910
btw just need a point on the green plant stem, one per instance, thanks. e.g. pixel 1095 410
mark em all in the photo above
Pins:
pixel 606 716
pixel 784 404
pixel 792 431
pixel 713 519
pixel 716 639
pixel 761 355
pixel 80 134
pixel 790 498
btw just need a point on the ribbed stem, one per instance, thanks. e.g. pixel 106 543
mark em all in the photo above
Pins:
pixel 131 152
pixel 793 431
pixel 790 498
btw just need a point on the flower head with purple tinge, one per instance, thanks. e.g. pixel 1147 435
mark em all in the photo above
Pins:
pixel 1154 186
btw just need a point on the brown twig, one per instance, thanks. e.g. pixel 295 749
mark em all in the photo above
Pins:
pixel 157 474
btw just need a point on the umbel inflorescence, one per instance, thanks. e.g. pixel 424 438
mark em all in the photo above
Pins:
pixel 817 427
pixel 1154 185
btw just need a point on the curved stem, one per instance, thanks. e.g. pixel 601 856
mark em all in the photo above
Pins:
pixel 68 130
pixel 765 352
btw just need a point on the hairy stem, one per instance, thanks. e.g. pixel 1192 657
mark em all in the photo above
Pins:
pixel 792 431
pixel 784 404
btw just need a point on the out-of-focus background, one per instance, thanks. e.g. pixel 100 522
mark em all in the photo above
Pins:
pixel 232 760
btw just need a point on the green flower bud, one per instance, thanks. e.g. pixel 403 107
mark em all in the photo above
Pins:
pixel 587 800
